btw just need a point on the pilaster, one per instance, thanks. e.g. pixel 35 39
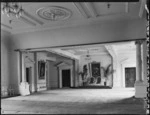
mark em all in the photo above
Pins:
pixel 140 86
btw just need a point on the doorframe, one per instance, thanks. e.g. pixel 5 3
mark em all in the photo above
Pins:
pixel 60 75
pixel 123 72
pixel 31 79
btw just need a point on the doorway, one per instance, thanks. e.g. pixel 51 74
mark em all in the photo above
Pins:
pixel 130 76
pixel 66 78
pixel 29 77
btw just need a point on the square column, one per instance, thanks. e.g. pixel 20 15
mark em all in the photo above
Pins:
pixel 140 86
pixel 23 86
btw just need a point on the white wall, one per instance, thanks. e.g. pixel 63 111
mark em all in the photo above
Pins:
pixel 5 59
pixel 103 32
pixel 53 75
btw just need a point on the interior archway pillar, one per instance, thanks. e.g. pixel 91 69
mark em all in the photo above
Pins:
pixel 140 86
pixel 23 86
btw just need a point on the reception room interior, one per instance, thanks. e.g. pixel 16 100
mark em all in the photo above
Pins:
pixel 74 57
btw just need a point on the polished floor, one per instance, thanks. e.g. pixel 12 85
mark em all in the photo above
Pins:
pixel 75 101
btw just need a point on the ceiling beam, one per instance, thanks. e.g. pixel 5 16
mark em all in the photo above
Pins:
pixel 91 53
pixel 127 7
pixel 111 51
pixel 114 55
pixel 64 53
pixel 81 9
pixel 25 20
pixel 55 51
pixel 142 8
pixel 33 18
pixel 123 60
pixel 90 6
pixel 4 25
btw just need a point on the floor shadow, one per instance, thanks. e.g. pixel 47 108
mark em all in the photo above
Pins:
pixel 131 100
pixel 92 87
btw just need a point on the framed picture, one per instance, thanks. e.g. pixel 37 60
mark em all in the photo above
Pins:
pixel 41 69
pixel 95 67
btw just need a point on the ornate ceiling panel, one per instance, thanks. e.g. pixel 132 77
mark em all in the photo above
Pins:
pixel 40 16
pixel 54 13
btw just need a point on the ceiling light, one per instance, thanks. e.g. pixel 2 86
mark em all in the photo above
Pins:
pixel 88 57
pixel 9 8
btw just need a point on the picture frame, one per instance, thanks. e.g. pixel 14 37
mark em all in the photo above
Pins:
pixel 41 69
pixel 95 69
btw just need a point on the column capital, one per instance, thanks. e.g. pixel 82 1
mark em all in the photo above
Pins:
pixel 139 41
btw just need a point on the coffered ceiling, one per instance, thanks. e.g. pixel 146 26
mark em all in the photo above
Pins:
pixel 92 50
pixel 123 48
pixel 38 16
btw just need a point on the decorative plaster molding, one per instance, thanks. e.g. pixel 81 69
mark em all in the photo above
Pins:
pixel 139 41
pixel 53 13
pixel 63 64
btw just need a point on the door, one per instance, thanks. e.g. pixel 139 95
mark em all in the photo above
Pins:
pixel 66 78
pixel 130 76
pixel 28 75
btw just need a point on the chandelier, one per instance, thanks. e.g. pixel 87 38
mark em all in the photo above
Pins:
pixel 88 57
pixel 12 8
